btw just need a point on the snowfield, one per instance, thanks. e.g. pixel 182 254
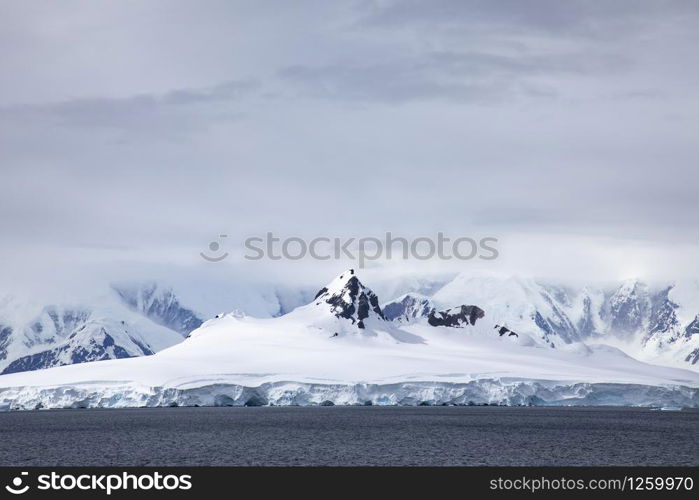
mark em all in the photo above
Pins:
pixel 339 349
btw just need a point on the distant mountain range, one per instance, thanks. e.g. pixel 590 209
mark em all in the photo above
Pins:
pixel 474 339
pixel 654 323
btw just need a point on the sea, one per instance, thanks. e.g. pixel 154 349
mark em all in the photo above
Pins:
pixel 350 436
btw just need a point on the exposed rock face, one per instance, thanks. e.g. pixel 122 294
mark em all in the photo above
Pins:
pixel 504 331
pixel 663 317
pixel 586 325
pixel 408 308
pixel 160 305
pixel 557 323
pixel 350 299
pixel 629 307
pixel 693 327
pixel 456 316
pixel 88 343
pixel 5 339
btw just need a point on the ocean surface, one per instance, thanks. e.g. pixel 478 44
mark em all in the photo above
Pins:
pixel 420 436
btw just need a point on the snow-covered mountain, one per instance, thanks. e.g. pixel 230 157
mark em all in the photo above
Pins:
pixel 653 323
pixel 37 336
pixel 342 348
pixel 124 320
pixel 658 323
pixel 520 304
pixel 159 304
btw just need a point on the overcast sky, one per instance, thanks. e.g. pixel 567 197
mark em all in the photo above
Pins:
pixel 136 131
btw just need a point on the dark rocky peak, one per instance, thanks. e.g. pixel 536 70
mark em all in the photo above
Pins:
pixel 350 299
pixel 504 331
pixel 456 316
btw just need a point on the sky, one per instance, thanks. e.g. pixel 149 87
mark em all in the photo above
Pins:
pixel 133 133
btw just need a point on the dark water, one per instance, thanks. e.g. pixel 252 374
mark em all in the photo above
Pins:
pixel 350 436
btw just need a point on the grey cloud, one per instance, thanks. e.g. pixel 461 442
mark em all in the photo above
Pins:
pixel 582 18
pixel 389 83
pixel 470 76
pixel 225 91
pixel 143 112
pixel 514 116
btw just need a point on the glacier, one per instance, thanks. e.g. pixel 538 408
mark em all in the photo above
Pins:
pixel 340 349
pixel 284 393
